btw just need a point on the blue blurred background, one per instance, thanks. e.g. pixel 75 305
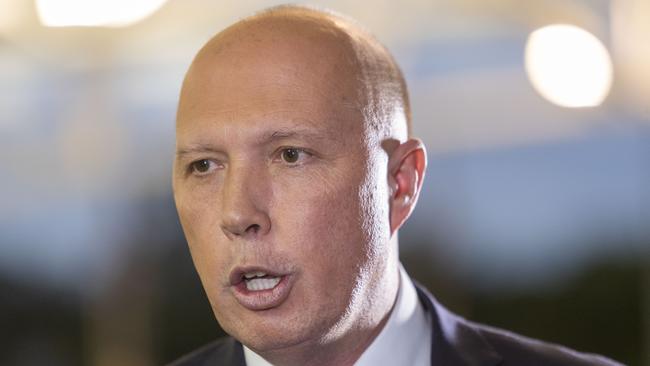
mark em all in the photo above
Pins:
pixel 534 217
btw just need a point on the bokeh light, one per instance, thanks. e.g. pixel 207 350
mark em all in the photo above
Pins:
pixel 95 13
pixel 568 66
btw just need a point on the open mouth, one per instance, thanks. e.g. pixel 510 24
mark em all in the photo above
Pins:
pixel 259 288
pixel 260 281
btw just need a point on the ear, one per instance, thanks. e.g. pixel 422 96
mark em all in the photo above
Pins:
pixel 406 167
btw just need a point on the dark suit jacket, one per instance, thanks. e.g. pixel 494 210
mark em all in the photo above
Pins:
pixel 455 342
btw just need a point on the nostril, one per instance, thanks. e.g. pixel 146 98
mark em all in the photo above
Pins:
pixel 255 228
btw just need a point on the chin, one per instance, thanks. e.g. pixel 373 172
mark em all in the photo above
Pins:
pixel 273 332
pixel 268 342
pixel 268 338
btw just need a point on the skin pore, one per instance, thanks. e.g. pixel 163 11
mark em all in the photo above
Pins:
pixel 293 157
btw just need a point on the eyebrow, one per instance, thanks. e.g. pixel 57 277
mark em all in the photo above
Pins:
pixel 288 133
pixel 267 138
pixel 196 149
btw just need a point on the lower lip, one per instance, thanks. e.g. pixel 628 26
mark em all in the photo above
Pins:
pixel 263 299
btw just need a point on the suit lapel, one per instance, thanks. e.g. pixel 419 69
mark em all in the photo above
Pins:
pixel 455 341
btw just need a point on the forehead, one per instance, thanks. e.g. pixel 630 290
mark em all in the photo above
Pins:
pixel 272 74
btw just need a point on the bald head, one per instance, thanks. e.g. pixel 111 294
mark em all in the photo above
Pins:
pixel 359 73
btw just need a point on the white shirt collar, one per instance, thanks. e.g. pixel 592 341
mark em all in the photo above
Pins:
pixel 405 339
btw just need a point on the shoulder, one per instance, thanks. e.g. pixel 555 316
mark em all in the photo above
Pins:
pixel 516 349
pixel 223 351
pixel 457 341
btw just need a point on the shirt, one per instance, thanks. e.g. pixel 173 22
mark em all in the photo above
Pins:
pixel 405 339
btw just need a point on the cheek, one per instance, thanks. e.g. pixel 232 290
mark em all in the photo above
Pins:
pixel 334 219
pixel 195 218
pixel 199 222
pixel 374 206
pixel 197 205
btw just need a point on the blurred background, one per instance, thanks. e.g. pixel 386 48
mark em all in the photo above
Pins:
pixel 535 214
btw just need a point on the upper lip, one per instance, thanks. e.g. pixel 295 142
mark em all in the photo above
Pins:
pixel 237 274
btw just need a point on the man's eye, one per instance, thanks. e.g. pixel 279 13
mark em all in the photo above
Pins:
pixel 201 166
pixel 292 155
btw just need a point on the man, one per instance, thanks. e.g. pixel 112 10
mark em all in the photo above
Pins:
pixel 294 170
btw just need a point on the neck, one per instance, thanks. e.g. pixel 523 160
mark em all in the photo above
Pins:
pixel 344 352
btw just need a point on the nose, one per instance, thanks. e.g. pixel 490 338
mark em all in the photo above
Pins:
pixel 244 197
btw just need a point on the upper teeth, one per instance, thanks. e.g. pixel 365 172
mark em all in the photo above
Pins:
pixel 259 284
pixel 254 274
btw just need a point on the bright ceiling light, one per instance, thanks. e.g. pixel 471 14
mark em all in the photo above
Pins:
pixel 568 66
pixel 95 13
